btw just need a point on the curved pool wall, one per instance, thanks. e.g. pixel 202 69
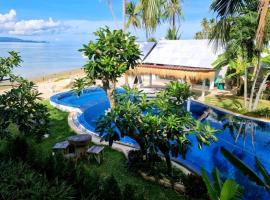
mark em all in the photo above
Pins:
pixel 93 103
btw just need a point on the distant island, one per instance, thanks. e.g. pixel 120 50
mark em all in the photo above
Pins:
pixel 12 39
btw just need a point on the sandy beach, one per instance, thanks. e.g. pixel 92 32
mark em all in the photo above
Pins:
pixel 49 85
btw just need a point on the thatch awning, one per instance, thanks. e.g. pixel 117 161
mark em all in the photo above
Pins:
pixel 190 74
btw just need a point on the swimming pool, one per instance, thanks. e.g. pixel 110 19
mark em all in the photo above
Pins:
pixel 93 102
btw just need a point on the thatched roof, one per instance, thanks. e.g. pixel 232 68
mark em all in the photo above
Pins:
pixel 189 74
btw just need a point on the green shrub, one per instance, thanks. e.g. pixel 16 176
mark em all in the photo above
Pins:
pixel 18 181
pixel 263 112
pixel 110 189
pixel 194 186
pixel 130 193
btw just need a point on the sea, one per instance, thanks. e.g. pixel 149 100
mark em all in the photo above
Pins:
pixel 41 59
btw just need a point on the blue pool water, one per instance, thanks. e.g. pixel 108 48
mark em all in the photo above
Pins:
pixel 94 102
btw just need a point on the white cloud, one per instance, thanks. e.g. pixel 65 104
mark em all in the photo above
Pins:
pixel 9 24
pixel 10 16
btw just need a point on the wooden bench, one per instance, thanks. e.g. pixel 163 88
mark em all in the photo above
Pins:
pixel 96 152
pixel 61 147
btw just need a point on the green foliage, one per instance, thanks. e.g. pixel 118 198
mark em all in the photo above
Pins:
pixel 18 181
pixel 133 14
pixel 153 12
pixel 166 120
pixel 262 112
pixel 151 39
pixel 129 193
pixel 173 34
pixel 194 186
pixel 110 189
pixel 247 171
pixel 110 55
pixel 218 190
pixel 207 28
pixel 20 107
pixel 8 64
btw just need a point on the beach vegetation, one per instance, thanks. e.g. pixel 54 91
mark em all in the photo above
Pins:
pixel 20 108
pixel 7 64
pixel 109 57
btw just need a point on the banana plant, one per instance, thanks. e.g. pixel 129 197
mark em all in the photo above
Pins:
pixel 218 190
pixel 247 171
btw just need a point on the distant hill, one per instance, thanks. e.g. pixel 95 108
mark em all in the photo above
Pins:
pixel 11 39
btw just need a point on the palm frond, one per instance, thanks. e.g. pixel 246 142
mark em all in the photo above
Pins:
pixel 242 167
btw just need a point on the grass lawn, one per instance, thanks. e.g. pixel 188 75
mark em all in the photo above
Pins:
pixel 114 162
pixel 235 104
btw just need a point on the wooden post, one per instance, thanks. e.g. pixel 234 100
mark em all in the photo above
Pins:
pixel 203 90
pixel 126 79
pixel 150 80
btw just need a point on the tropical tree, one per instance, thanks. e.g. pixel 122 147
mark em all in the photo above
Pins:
pixel 207 26
pixel 266 73
pixel 219 190
pixel 151 13
pixel 8 64
pixel 172 12
pixel 227 10
pixel 109 57
pixel 20 107
pixel 173 34
pixel 133 15
pixel 155 124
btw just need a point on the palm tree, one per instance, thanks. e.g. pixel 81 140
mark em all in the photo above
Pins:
pixel 151 13
pixel 123 12
pixel 172 12
pixel 133 15
pixel 124 3
pixel 173 34
pixel 226 9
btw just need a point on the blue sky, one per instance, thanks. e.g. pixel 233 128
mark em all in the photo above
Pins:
pixel 75 20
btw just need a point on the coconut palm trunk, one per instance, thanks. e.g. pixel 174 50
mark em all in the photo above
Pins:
pixel 124 3
pixel 263 9
pixel 261 89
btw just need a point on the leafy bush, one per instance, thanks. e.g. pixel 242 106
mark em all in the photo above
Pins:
pixel 20 107
pixel 263 112
pixel 129 193
pixel 194 185
pixel 136 162
pixel 18 181
pixel 110 189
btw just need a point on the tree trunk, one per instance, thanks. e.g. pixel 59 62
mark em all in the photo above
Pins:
pixel 168 163
pixel 258 69
pixel 263 9
pixel 173 21
pixel 109 92
pixel 245 88
pixel 261 89
pixel 124 14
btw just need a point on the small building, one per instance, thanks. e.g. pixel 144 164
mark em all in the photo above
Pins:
pixel 183 60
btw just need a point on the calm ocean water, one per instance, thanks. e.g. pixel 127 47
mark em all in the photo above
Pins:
pixel 41 59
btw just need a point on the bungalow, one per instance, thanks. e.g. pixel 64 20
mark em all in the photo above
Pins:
pixel 185 60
